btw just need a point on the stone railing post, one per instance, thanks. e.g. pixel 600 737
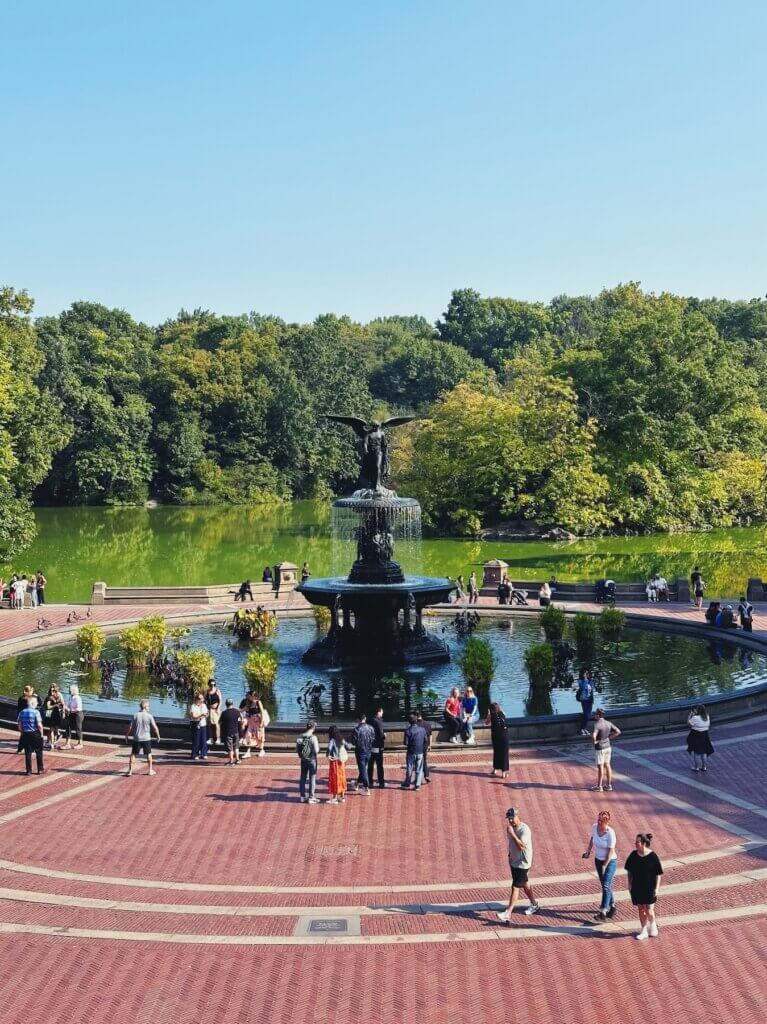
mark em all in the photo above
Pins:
pixel 682 588
pixel 755 589
pixel 99 593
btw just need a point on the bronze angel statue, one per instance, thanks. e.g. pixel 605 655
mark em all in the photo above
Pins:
pixel 373 448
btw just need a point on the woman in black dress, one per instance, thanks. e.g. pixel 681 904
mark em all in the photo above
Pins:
pixel 644 869
pixel 499 735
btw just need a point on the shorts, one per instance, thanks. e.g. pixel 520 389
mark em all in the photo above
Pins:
pixel 213 716
pixel 141 747
pixel 603 756
pixel 232 743
pixel 518 877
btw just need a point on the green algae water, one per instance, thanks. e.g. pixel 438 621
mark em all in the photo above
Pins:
pixel 173 546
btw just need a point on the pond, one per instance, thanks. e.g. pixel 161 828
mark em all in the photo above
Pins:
pixel 171 545
pixel 646 667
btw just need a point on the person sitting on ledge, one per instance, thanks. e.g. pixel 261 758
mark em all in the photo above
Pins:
pixel 245 588
pixel 266 576
pixel 661 586
pixel 711 612
pixel 726 618
pixel 651 590
pixel 453 715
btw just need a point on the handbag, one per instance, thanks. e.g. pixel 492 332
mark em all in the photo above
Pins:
pixel 343 754
pixel 265 718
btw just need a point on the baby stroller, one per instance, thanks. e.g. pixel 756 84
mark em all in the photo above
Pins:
pixel 605 592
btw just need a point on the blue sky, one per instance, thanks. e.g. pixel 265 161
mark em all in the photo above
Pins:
pixel 367 157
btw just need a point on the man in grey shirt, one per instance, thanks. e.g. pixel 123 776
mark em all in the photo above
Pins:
pixel 140 731
pixel 603 733
pixel 520 837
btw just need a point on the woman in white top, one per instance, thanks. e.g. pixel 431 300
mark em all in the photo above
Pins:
pixel 699 745
pixel 544 595
pixel 603 843
pixel 198 717
pixel 74 705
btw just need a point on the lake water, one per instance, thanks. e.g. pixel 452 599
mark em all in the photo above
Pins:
pixel 647 667
pixel 165 546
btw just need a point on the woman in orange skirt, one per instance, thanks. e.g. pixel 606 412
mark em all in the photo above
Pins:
pixel 338 755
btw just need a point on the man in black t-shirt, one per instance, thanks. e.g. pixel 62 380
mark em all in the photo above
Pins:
pixel 230 723
pixel 377 754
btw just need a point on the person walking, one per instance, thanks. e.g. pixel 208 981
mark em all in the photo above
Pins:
pixel 499 736
pixel 604 732
pixel 603 842
pixel 308 748
pixel 585 697
pixel 140 732
pixel 746 614
pixel 473 589
pixel 198 718
pixel 363 739
pixel 415 743
pixel 75 716
pixel 377 753
pixel 30 725
pixel 428 728
pixel 338 755
pixel 230 725
pixel 644 871
pixel 213 699
pixel 699 745
pixel 520 838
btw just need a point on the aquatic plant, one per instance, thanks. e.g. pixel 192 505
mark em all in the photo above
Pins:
pixel 90 641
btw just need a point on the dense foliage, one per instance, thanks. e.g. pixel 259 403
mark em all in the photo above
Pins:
pixel 627 411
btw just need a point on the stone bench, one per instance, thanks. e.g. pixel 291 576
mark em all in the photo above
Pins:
pixel 263 593
pixel 678 590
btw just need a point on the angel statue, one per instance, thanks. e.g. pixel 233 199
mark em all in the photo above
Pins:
pixel 373 449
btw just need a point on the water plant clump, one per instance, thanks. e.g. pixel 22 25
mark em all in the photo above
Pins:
pixel 249 624
pixel 539 662
pixel 260 668
pixel 90 641
pixel 552 622
pixel 196 668
pixel 477 662
pixel 611 623
pixel 585 630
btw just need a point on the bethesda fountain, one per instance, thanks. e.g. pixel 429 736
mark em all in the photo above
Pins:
pixel 376 611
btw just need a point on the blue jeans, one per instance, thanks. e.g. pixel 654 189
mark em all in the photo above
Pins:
pixel 606 876
pixel 413 769
pixel 586 706
pixel 308 772
pixel 363 762
pixel 199 741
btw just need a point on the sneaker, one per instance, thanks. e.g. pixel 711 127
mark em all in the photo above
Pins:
pixel 608 789
pixel 404 786
pixel 471 741
pixel 652 931
pixel 260 753
pixel 504 915
pixel 696 769
pixel 596 789
pixel 584 732
pixel 313 800
pixel 416 788
pixel 612 911
pixel 128 773
pixel 151 772
pixel 304 799
pixel 644 934
pixel 704 768
pixel 532 909
pixel 333 800
pixel 204 758
pixel 454 739
pixel 245 755
pixel 364 792
pixel 601 916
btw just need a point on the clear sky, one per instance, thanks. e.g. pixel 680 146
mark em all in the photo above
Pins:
pixel 365 157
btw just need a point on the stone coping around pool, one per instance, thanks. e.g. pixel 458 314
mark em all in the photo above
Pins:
pixel 659 717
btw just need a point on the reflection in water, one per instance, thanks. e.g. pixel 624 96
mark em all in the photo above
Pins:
pixel 646 667
pixel 166 546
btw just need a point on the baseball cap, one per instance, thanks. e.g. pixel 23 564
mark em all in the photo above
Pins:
pixel 511 813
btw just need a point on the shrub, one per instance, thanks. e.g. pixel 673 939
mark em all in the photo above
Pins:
pixel 611 623
pixel 136 643
pixel 322 617
pixel 539 662
pixel 585 629
pixel 90 642
pixel 197 667
pixel 260 667
pixel 552 622
pixel 156 629
pixel 477 662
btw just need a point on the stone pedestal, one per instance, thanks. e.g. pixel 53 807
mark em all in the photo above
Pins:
pixel 494 571
pixel 285 575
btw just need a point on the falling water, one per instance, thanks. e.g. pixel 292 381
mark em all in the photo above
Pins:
pixel 404 516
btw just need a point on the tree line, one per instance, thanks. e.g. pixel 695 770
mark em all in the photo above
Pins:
pixel 627 410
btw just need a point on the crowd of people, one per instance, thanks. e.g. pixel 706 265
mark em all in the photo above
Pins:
pixel 22 586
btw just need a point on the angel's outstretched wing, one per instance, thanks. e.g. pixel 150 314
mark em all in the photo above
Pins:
pixel 397 421
pixel 357 425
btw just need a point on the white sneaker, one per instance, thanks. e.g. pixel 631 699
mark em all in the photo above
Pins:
pixel 454 739
pixel 596 789
pixel 304 800
pixel 151 772
pixel 644 934
pixel 653 931
pixel 313 800
pixel 532 909
pixel 471 741
pixel 260 753
pixel 503 915
pixel 245 755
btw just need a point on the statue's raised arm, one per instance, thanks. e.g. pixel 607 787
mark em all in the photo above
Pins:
pixel 373 449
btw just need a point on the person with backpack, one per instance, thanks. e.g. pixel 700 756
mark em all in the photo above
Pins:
pixel 308 748
pixel 746 613
pixel 363 738
pixel 585 697
pixel 338 755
